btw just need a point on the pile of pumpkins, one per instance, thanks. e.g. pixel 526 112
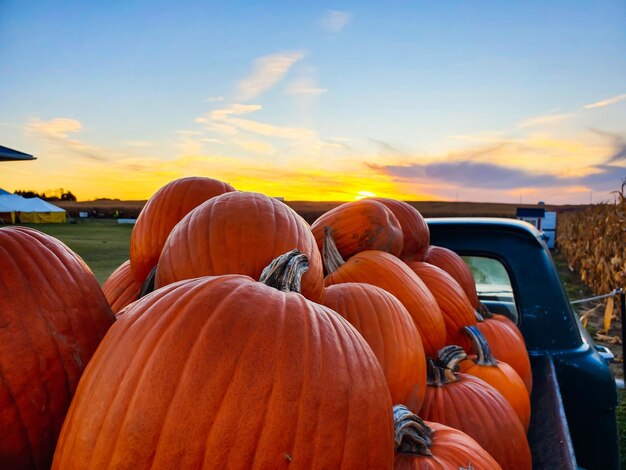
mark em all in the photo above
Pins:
pixel 237 335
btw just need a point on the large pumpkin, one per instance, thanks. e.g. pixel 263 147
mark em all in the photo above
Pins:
pixel 469 404
pixel 415 232
pixel 121 288
pixel 227 372
pixel 390 273
pixel 387 327
pixel 424 445
pixel 162 212
pixel 359 226
pixel 454 265
pixel 238 233
pixel 52 317
pixel 455 307
pixel 498 374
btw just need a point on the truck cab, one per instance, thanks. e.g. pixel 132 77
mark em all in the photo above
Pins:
pixel 574 398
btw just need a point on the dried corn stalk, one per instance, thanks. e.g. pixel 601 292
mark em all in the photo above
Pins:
pixel 594 243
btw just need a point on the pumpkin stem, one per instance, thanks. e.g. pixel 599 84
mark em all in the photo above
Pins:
pixel 442 371
pixel 485 357
pixel 450 356
pixel 411 434
pixel 330 254
pixel 478 316
pixel 148 283
pixel 437 375
pixel 285 272
pixel 483 310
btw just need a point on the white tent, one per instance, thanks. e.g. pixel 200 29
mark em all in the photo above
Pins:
pixel 29 210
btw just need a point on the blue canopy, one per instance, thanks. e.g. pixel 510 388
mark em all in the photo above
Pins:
pixel 10 155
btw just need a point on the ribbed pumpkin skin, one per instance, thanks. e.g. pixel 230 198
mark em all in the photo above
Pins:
pixel 476 408
pixel 162 212
pixel 388 328
pixel 239 233
pixel 121 288
pixel 360 226
pixel 416 235
pixel 52 318
pixel 507 344
pixel 454 265
pixel 455 306
pixel 451 449
pixel 225 372
pixel 505 380
pixel 388 272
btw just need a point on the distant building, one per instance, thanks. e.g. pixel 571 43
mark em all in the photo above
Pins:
pixel 542 219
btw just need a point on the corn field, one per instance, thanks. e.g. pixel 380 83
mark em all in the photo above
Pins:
pixel 594 243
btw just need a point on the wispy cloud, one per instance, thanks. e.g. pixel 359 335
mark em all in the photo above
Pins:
pixel 266 72
pixel 334 21
pixel 545 120
pixel 57 128
pixel 306 86
pixel 388 149
pixel 270 130
pixel 223 122
pixel 607 102
pixel 57 132
pixel 235 109
pixel 619 145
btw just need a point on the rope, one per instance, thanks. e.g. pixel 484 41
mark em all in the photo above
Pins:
pixel 613 293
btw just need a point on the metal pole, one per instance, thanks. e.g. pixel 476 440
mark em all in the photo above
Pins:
pixel 622 307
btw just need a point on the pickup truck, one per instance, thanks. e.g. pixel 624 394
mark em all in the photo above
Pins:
pixel 574 397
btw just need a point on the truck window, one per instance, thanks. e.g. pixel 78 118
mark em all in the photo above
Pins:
pixel 493 285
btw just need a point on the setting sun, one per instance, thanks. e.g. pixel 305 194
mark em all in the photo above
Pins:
pixel 363 195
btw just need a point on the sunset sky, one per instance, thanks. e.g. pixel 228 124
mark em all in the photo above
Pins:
pixel 475 101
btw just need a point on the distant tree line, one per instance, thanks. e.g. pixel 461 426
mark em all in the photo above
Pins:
pixel 48 195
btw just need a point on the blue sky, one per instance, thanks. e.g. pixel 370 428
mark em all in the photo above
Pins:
pixel 478 100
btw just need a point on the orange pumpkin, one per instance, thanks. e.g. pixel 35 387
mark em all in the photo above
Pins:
pixel 388 328
pixel 359 226
pixel 52 317
pixel 227 372
pixel 454 265
pixel 121 288
pixel 455 306
pixel 415 232
pixel 390 273
pixel 162 212
pixel 424 445
pixel 507 344
pixel 469 404
pixel 238 233
pixel 498 374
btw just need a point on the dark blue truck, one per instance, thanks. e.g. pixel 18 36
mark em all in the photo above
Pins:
pixel 574 397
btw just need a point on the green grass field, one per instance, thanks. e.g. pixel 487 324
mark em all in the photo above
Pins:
pixel 102 244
